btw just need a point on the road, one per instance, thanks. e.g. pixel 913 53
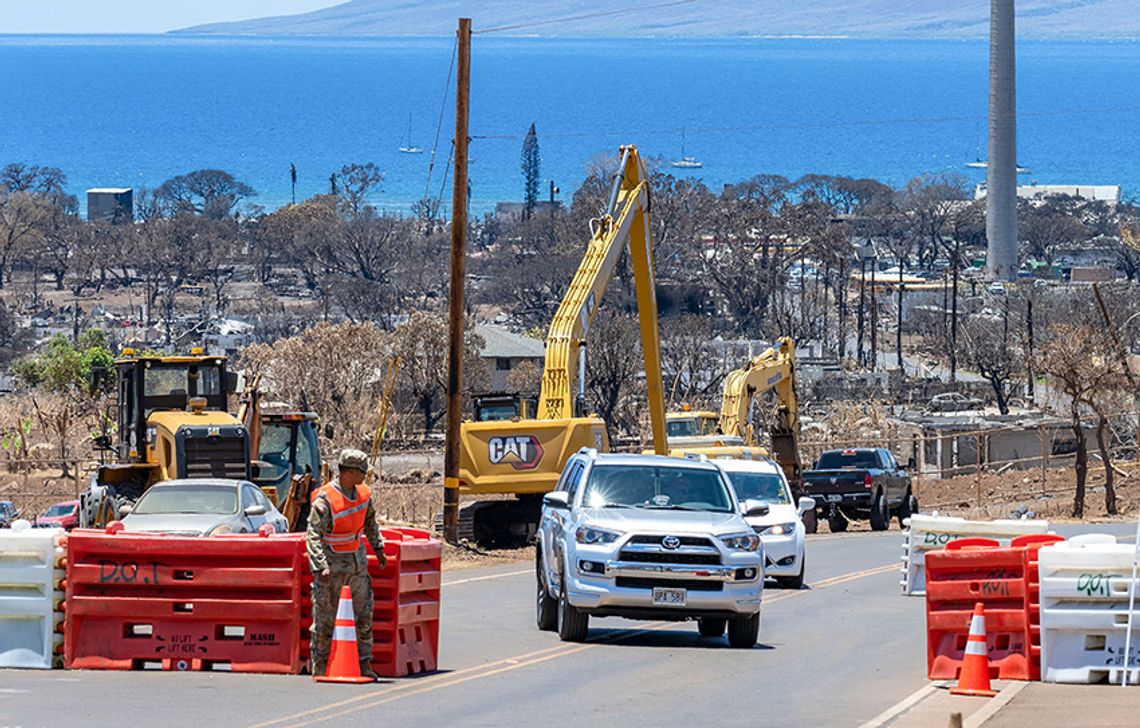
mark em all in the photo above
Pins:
pixel 838 652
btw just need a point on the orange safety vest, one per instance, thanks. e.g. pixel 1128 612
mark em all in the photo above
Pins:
pixel 347 515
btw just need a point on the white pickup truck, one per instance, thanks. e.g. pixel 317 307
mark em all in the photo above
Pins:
pixel 647 537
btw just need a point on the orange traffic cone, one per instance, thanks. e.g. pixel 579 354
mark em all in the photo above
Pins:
pixel 344 659
pixel 975 676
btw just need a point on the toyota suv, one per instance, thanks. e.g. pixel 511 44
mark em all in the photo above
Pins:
pixel 648 537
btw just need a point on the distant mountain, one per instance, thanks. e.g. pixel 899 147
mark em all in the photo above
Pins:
pixel 856 18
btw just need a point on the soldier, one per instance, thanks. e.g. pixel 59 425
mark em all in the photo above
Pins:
pixel 341 516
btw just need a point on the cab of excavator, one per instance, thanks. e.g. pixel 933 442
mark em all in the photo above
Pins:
pixel 149 384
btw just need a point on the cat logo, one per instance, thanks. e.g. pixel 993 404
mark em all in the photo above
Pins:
pixel 522 452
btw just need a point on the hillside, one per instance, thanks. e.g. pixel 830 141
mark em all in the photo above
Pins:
pixel 858 18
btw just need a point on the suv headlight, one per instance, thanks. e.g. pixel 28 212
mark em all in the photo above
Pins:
pixel 779 529
pixel 741 541
pixel 589 535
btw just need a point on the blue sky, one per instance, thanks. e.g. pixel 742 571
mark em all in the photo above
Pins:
pixel 136 16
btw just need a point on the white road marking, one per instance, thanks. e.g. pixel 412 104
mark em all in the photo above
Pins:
pixel 485 578
pixel 901 707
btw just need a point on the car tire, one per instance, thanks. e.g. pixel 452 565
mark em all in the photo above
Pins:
pixel 573 624
pixel 711 627
pixel 546 607
pixel 880 514
pixel 837 523
pixel 908 508
pixel 742 633
pixel 793 582
pixel 811 521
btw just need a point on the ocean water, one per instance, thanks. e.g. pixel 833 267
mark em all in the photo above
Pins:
pixel 136 110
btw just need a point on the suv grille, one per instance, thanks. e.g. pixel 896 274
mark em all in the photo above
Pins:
pixel 669 557
pixel 685 540
pixel 642 582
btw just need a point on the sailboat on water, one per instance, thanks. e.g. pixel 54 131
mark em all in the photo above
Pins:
pixel 686 162
pixel 407 147
pixel 980 163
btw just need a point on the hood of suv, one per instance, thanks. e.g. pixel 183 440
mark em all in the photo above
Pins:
pixel 645 520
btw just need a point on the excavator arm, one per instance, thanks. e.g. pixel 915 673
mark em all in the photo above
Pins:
pixel 772 369
pixel 626 219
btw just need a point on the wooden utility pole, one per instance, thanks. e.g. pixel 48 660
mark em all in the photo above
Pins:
pixel 455 294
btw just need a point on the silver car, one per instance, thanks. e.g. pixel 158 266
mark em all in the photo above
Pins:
pixel 202 507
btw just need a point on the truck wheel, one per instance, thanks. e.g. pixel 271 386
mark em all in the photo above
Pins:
pixel 908 508
pixel 837 523
pixel 742 633
pixel 545 608
pixel 711 627
pixel 811 521
pixel 573 625
pixel 880 515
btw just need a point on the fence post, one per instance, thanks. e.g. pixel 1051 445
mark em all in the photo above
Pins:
pixel 978 467
pixel 1044 456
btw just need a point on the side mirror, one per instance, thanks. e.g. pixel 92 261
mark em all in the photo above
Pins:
pixel 806 504
pixel 255 511
pixel 329 432
pixel 102 442
pixel 910 463
pixel 125 509
pixel 557 499
pixel 755 508
pixel 231 382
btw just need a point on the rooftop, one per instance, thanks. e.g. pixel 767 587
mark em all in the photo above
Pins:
pixel 498 342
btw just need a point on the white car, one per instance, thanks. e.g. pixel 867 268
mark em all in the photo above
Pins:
pixel 647 537
pixel 781 529
pixel 202 507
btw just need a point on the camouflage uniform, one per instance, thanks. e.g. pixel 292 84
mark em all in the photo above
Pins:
pixel 344 568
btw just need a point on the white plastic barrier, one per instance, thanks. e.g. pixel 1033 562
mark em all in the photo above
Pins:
pixel 932 533
pixel 30 574
pixel 1085 584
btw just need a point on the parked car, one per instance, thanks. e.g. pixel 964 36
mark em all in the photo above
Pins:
pixel 202 507
pixel 781 530
pixel 648 537
pixel 997 288
pixel 953 402
pixel 8 513
pixel 61 515
pixel 860 483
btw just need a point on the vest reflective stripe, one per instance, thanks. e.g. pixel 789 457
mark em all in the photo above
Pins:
pixel 348 517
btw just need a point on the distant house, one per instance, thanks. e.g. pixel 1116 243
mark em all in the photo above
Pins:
pixel 515 210
pixel 1089 193
pixel 112 204
pixel 504 351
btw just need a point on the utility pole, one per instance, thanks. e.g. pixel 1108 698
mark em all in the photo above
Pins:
pixel 954 316
pixel 862 308
pixel 899 330
pixel 293 179
pixel 455 293
pixel 874 318
pixel 1029 346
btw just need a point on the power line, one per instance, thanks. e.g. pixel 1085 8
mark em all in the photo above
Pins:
pixel 571 18
pixel 439 124
pixel 809 124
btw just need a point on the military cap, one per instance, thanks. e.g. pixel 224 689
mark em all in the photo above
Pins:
pixel 354 459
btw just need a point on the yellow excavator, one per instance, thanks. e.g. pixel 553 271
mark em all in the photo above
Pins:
pixel 523 457
pixel 774 369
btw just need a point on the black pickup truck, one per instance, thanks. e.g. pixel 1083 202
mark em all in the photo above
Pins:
pixel 860 483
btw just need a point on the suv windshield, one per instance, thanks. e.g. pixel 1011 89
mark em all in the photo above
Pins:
pixel 65 509
pixel 652 486
pixel 767 487
pixel 211 499
pixel 837 459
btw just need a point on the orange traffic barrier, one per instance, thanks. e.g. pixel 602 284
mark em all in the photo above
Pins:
pixel 137 601
pixel 1005 581
pixel 344 659
pixel 975 678
pixel 405 613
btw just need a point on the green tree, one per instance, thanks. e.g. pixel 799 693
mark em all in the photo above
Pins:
pixel 530 170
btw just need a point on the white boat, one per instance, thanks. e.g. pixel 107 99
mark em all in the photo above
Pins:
pixel 981 164
pixel 408 147
pixel 686 162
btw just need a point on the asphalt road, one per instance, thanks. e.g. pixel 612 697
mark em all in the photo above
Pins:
pixel 837 652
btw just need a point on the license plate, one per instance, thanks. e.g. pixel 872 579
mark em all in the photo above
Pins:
pixel 834 499
pixel 669 597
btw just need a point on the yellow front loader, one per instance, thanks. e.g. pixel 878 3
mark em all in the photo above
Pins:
pixel 524 457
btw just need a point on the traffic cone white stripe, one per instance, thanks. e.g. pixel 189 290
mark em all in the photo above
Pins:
pixel 976 647
pixel 344 611
pixel 978 627
pixel 344 633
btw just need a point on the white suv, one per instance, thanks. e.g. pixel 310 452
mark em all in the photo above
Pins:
pixel 781 529
pixel 647 537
